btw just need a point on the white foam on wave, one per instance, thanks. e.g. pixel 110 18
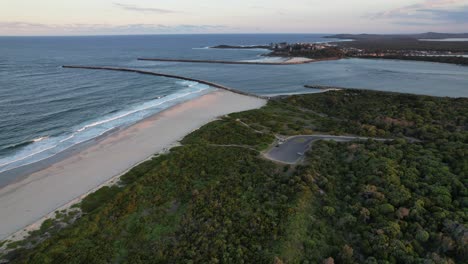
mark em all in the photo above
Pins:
pixel 147 105
pixel 190 83
pixel 39 139
pixel 46 157
pixel 27 156
pixel 67 138
pixel 46 147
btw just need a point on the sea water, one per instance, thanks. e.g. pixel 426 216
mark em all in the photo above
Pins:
pixel 46 109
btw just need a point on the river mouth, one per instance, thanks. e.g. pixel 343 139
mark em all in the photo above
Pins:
pixel 45 110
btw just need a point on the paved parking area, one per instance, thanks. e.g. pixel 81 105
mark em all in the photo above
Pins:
pixel 294 148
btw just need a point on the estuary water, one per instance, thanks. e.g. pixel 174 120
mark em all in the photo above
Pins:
pixel 45 109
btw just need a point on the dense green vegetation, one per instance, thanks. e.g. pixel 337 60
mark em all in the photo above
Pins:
pixel 442 59
pixel 379 45
pixel 403 47
pixel 427 35
pixel 372 202
pixel 229 132
pixel 404 44
pixel 366 113
pixel 216 200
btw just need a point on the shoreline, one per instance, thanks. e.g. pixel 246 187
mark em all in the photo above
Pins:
pixel 289 61
pixel 20 173
pixel 35 198
pixel 23 233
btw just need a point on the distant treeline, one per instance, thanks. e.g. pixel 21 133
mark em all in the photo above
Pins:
pixel 329 52
pixel 441 59
pixel 428 35
pixel 376 45
pixel 223 46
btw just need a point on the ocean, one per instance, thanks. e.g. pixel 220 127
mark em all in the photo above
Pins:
pixel 45 109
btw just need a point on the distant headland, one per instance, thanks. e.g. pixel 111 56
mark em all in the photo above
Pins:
pixel 432 47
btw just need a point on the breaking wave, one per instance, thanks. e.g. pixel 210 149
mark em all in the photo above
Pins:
pixel 44 147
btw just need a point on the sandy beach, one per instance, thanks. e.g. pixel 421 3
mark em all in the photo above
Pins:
pixel 267 60
pixel 24 203
pixel 298 60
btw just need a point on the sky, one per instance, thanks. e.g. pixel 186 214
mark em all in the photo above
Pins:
pixel 114 17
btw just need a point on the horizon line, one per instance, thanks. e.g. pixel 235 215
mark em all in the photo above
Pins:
pixel 243 33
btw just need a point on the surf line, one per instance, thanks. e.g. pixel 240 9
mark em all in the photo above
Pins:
pixel 212 84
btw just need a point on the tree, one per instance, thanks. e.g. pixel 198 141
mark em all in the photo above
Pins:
pixel 422 235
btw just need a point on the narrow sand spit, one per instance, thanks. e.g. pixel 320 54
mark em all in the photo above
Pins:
pixel 24 204
pixel 299 60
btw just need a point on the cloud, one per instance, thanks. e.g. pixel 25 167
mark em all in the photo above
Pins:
pixel 26 28
pixel 428 12
pixel 22 25
pixel 159 28
pixel 143 9
pixel 415 8
pixel 457 16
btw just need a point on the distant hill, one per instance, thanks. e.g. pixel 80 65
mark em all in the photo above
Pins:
pixel 401 42
pixel 427 35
